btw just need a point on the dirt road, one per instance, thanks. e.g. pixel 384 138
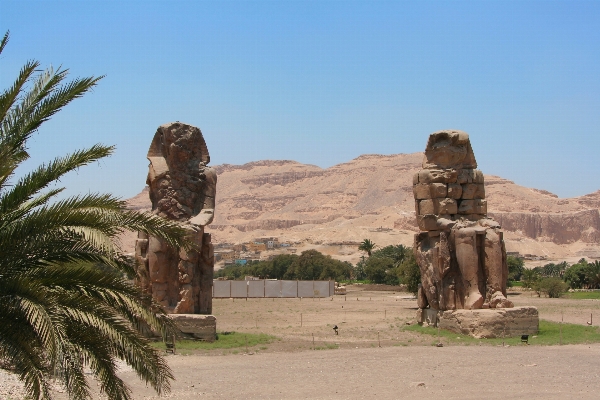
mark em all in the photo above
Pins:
pixel 462 372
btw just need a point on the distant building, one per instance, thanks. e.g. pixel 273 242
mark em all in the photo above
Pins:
pixel 256 246
pixel 238 247
pixel 270 242
pixel 227 255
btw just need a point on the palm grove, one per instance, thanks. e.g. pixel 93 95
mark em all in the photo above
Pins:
pixel 66 298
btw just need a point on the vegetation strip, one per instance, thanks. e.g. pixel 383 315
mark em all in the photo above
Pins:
pixel 549 335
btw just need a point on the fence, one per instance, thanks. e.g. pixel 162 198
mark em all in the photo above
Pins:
pixel 273 288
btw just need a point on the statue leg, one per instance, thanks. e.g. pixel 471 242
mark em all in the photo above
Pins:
pixel 495 270
pixel 468 263
pixel 160 260
pixel 206 266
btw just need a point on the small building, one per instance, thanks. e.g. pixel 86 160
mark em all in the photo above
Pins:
pixel 256 246
pixel 227 255
pixel 238 247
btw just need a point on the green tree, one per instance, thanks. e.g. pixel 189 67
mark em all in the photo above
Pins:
pixel 66 301
pixel 552 270
pixel 397 253
pixel 313 265
pixel 359 270
pixel 594 275
pixel 394 256
pixel 529 277
pixel 409 273
pixel 577 275
pixel 515 268
pixel 367 246
pixel 279 265
pixel 376 269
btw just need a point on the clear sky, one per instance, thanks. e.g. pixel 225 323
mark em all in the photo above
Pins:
pixel 321 82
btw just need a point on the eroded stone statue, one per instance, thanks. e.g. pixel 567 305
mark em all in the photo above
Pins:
pixel 460 251
pixel 182 188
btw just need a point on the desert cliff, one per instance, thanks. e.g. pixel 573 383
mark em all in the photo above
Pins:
pixel 371 197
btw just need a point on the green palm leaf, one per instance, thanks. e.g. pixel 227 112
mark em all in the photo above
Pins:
pixel 66 301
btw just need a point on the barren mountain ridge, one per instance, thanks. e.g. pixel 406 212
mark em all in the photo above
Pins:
pixel 371 197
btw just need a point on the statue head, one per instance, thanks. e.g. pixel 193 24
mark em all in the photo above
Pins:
pixel 449 149
pixel 181 185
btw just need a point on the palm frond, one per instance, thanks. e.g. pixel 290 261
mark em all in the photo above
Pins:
pixel 35 181
pixel 10 95
pixel 4 41
pixel 66 301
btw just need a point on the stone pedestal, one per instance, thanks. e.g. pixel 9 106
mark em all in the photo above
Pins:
pixel 484 323
pixel 196 326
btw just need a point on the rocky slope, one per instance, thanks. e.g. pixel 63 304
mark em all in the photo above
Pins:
pixel 371 197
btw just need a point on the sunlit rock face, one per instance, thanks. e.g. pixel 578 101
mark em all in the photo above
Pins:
pixel 182 188
pixel 460 251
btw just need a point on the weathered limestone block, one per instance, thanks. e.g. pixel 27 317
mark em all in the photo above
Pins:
pixel 422 191
pixel 194 326
pixel 427 222
pixel 438 190
pixel 426 207
pixel 190 326
pixel 445 206
pixel 415 178
pixel 430 190
pixel 182 188
pixel 437 176
pixel 460 252
pixel 491 323
pixel 476 206
pixel 468 190
pixel 454 191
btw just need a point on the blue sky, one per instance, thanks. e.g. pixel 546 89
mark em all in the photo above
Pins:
pixel 321 82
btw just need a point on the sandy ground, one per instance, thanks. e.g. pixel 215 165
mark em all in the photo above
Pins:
pixel 462 372
pixel 353 366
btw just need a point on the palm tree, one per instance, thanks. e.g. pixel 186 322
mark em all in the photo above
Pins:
pixel 66 300
pixel 529 277
pixel 367 246
pixel 594 274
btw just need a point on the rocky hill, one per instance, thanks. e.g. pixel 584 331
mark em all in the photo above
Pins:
pixel 371 197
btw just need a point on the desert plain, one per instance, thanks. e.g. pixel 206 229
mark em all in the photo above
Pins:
pixel 352 365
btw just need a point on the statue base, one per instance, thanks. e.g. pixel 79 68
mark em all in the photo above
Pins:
pixel 484 323
pixel 196 326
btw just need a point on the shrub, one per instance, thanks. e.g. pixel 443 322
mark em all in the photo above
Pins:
pixel 552 287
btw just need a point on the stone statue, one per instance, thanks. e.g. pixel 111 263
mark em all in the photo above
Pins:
pixel 182 188
pixel 460 251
